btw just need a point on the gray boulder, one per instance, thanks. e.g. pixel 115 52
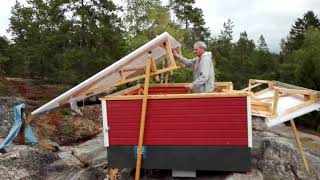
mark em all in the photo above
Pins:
pixel 25 162
pixel 278 158
pixel 91 152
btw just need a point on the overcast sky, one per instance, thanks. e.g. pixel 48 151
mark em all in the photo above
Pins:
pixel 271 18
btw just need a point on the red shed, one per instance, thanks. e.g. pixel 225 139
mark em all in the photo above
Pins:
pixel 208 131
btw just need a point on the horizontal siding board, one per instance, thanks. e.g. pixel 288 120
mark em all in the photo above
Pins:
pixel 186 118
pixel 217 101
pixel 207 121
pixel 166 90
pixel 225 126
pixel 182 133
pixel 182 141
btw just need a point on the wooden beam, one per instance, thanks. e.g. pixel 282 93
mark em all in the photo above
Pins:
pixel 299 106
pixel 294 91
pixel 252 81
pixel 275 102
pixel 133 69
pixel 166 77
pixel 143 119
pixel 179 96
pixel 251 87
pixel 297 138
pixel 170 55
pixel 154 69
pixel 122 75
pixel 125 91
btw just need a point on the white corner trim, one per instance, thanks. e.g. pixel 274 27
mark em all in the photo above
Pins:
pixel 105 130
pixel 249 118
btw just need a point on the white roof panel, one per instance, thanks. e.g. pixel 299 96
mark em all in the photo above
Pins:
pixel 109 75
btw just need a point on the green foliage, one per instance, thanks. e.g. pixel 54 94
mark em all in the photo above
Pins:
pixel 65 41
pixel 191 20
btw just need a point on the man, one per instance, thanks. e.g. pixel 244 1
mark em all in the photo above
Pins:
pixel 202 66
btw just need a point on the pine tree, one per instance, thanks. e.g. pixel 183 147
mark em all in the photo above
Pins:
pixel 262 45
pixel 298 30
pixel 191 19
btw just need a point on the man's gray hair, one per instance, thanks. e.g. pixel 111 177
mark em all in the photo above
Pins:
pixel 200 44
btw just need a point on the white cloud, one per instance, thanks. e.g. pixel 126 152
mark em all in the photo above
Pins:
pixel 271 18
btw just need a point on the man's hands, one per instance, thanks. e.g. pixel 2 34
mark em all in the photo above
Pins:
pixel 189 87
pixel 174 51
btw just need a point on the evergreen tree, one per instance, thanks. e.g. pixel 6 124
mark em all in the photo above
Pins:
pixel 65 40
pixel 191 19
pixel 4 59
pixel 262 45
pixel 298 30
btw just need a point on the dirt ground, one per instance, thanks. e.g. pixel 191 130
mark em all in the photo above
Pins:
pixel 60 125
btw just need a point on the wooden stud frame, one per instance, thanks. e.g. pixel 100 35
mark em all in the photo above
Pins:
pixel 86 91
pixel 261 106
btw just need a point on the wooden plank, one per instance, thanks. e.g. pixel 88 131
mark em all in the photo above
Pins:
pixel 122 75
pixel 134 69
pixel 299 106
pixel 125 91
pixel 170 55
pixel 179 96
pixel 143 119
pixel 252 81
pixel 275 102
pixel 251 87
pixel 297 138
pixel 260 113
pixel 166 77
pixel 154 69
pixel 294 91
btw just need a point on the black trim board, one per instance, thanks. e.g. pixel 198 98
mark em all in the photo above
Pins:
pixel 216 158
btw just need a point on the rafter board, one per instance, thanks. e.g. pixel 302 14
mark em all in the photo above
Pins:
pixel 107 75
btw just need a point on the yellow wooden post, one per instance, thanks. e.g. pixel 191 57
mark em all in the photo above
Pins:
pixel 166 77
pixel 275 102
pixel 143 119
pixel 170 56
pixel 296 135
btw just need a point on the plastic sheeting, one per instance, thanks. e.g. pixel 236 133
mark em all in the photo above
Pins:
pixel 29 136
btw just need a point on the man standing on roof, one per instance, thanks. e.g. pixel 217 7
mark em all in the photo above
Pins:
pixel 202 66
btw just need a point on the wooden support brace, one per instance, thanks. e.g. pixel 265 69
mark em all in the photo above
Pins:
pixel 154 69
pixel 275 102
pixel 251 87
pixel 143 119
pixel 296 135
pixel 166 77
pixel 170 55
pixel 122 75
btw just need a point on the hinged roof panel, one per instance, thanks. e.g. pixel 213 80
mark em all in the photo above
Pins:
pixel 119 72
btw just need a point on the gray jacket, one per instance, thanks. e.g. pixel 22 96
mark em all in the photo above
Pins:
pixel 203 72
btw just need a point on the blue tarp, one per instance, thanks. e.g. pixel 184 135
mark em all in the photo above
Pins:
pixel 29 136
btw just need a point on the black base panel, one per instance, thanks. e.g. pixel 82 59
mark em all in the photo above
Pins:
pixel 212 158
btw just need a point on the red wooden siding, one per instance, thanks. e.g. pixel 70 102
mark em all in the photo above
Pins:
pixel 208 121
pixel 167 90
